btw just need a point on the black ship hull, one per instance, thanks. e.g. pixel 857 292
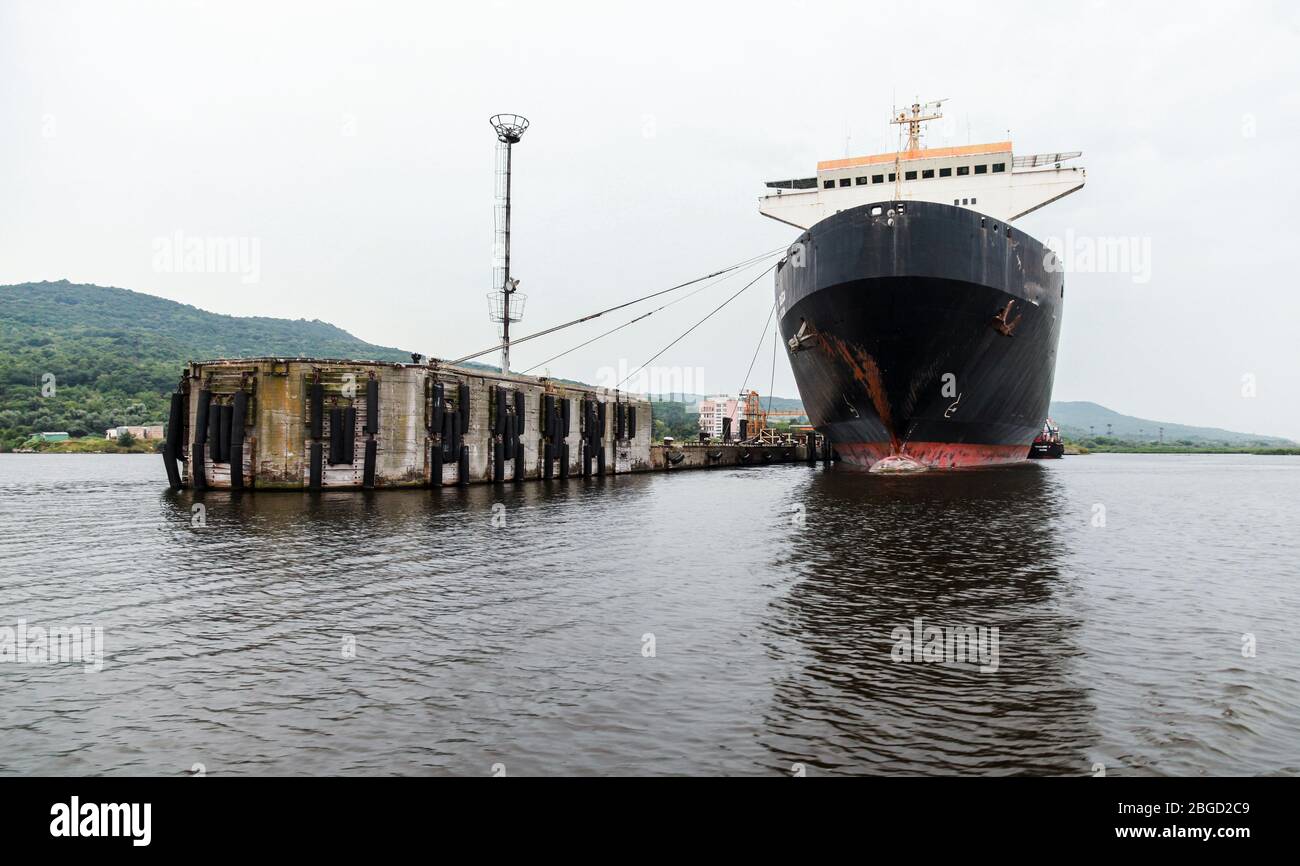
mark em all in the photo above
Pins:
pixel 922 334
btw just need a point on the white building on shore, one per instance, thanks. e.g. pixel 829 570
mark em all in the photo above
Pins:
pixel 714 409
pixel 152 431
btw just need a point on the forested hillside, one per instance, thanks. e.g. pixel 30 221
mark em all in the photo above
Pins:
pixel 83 358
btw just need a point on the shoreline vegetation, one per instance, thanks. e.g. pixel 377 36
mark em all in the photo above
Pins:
pixel 90 445
pixel 1077 448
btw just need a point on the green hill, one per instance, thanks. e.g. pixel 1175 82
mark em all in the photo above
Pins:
pixel 116 355
pixel 1081 420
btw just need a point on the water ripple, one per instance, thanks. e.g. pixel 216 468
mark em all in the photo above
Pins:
pixel 406 633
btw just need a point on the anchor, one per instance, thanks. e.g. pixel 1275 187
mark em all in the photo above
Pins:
pixel 1004 323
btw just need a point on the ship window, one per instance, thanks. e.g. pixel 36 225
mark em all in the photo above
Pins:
pixel 963 169
pixel 956 202
pixel 945 172
pixel 902 208
pixel 965 201
pixel 929 172
pixel 875 211
pixel 844 181
pixel 981 169
pixel 909 175
pixel 877 178
pixel 892 176
pixel 860 180
pixel 972 201
pixel 999 166
pixel 828 184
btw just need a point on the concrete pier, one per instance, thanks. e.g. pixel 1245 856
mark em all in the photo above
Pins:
pixel 331 424
pixel 676 458
pixel 320 424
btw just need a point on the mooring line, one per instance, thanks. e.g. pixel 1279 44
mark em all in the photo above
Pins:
pixel 686 297
pixel 766 271
pixel 589 317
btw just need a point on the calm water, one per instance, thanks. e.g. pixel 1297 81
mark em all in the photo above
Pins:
pixel 523 644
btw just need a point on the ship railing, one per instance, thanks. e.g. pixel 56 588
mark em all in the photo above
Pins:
pixel 1041 159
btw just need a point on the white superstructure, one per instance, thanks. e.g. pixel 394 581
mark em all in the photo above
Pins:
pixel 987 178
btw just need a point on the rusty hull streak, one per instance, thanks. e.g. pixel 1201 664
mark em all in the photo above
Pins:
pixel 867 373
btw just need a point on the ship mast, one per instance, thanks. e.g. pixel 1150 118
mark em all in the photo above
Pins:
pixel 919 113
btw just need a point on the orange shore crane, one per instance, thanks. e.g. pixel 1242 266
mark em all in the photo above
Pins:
pixel 756 418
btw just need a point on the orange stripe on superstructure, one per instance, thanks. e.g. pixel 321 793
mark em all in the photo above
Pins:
pixel 908 155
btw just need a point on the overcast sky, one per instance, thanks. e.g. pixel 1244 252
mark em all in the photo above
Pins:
pixel 351 143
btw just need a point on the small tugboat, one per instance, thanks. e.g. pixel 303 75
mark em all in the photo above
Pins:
pixel 1047 444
